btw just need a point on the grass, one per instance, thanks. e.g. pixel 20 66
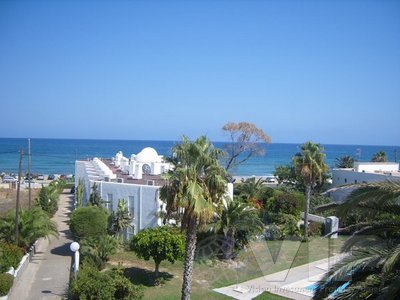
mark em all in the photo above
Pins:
pixel 210 274
pixel 269 296
pixel 8 198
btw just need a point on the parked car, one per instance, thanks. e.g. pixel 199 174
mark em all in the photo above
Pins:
pixel 8 179
pixel 40 177
pixel 51 177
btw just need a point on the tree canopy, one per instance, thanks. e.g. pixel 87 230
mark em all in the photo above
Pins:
pixel 160 243
pixel 380 156
pixel 245 142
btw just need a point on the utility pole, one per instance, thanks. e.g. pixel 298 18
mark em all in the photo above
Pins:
pixel 17 204
pixel 29 172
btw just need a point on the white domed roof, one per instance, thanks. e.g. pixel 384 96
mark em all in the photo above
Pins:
pixel 148 154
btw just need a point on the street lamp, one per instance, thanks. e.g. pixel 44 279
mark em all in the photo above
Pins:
pixel 75 248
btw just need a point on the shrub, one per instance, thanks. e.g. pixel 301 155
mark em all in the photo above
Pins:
pixel 316 229
pixel 272 233
pixel 6 282
pixel 99 249
pixel 93 284
pixel 287 203
pixel 288 226
pixel 48 197
pixel 10 256
pixel 89 221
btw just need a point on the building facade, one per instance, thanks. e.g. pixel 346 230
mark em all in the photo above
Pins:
pixel 363 172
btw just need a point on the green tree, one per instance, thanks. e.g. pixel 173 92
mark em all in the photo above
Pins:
pixel 197 182
pixel 380 156
pixel 48 200
pixel 34 223
pixel 345 161
pixel 95 198
pixel 160 243
pixel 245 142
pixel 371 267
pixel 121 219
pixel 310 168
pixel 285 174
pixel 89 221
pixel 238 222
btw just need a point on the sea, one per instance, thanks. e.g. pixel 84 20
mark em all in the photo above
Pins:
pixel 58 156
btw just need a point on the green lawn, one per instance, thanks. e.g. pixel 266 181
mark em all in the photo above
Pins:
pixel 209 274
pixel 269 296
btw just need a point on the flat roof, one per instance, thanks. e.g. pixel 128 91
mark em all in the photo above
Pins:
pixel 156 179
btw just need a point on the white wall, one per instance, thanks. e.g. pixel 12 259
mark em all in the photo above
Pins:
pixel 347 176
pixel 342 177
pixel 143 200
pixel 372 167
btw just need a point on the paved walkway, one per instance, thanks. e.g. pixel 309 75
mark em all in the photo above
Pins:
pixel 290 283
pixel 47 275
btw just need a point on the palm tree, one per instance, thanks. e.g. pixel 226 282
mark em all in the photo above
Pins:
pixel 345 161
pixel 195 187
pixel 121 219
pixel 252 189
pixel 380 156
pixel 33 224
pixel 310 168
pixel 238 221
pixel 371 268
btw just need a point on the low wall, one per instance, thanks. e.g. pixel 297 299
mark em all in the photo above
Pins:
pixel 17 273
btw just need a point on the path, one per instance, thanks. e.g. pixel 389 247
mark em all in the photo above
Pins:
pixel 47 275
pixel 290 283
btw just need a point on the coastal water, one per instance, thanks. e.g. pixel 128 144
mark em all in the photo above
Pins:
pixel 57 156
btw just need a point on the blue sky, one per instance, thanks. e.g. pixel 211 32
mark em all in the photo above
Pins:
pixel 327 71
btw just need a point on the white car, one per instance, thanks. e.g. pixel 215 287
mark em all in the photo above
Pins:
pixel 8 179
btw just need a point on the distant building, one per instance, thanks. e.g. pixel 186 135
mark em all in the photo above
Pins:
pixel 136 180
pixel 363 172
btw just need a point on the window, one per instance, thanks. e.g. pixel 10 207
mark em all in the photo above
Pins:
pixel 109 203
pixel 355 181
pixel 345 180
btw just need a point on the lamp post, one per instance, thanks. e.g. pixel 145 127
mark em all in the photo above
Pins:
pixel 75 248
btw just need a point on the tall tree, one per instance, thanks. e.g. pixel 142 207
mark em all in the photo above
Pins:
pixel 380 156
pixel 345 161
pixel 196 186
pixel 310 168
pixel 245 142
pixel 371 267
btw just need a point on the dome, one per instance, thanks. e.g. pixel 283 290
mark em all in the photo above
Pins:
pixel 148 154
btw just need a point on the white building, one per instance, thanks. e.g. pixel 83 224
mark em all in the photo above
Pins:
pixel 140 189
pixel 137 180
pixel 363 172
pixel 146 162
